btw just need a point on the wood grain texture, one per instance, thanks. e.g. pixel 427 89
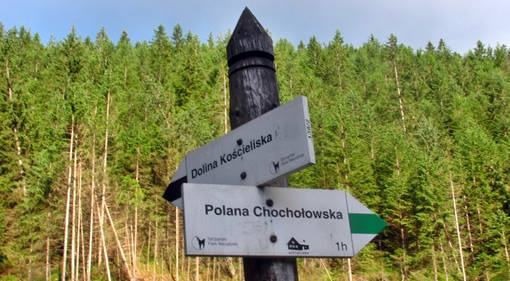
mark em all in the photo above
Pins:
pixel 253 92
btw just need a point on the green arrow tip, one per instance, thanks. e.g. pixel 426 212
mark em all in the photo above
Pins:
pixel 366 223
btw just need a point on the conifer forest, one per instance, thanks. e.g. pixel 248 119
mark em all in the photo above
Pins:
pixel 92 130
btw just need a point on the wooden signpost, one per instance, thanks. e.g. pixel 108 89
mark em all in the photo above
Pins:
pixel 253 92
pixel 231 188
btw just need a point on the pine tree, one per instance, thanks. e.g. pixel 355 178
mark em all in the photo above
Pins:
pixel 419 136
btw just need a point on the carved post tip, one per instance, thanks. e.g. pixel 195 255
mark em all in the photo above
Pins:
pixel 249 36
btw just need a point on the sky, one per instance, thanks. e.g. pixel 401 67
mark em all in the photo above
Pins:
pixel 415 22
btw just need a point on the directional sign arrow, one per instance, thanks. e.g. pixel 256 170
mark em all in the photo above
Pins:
pixel 271 146
pixel 226 220
pixel 364 223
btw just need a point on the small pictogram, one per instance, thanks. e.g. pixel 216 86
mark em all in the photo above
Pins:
pixel 293 244
pixel 198 243
pixel 276 167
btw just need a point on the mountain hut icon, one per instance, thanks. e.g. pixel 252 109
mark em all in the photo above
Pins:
pixel 293 244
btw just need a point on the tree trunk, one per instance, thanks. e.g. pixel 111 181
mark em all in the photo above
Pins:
pixel 240 265
pixel 479 219
pixel 29 274
pixel 505 246
pixel 403 266
pixel 372 150
pixel 73 217
pixel 17 142
pixel 128 242
pixel 457 228
pixel 188 267
pixel 349 269
pixel 445 267
pixel 197 268
pixel 468 224
pixel 92 203
pixel 105 163
pixel 478 209
pixel 225 106
pixel 155 251
pixel 135 238
pixel 148 249
pixel 345 159
pixel 434 263
pixel 83 256
pixel 68 203
pixel 226 127
pixel 119 245
pixel 343 136
pixel 208 269
pixel 79 240
pixel 452 249
pixel 48 269
pixel 231 268
pixel 103 244
pixel 400 99
pixel 325 269
pixel 214 269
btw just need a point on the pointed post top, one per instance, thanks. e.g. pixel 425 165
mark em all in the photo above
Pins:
pixel 249 36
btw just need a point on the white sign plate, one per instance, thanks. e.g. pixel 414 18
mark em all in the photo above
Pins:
pixel 273 145
pixel 223 220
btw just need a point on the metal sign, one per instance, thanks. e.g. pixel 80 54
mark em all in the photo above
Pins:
pixel 224 220
pixel 273 145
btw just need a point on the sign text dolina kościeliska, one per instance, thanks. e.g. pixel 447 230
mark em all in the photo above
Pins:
pixel 236 152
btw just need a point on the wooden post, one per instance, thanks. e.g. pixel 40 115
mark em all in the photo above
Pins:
pixel 253 92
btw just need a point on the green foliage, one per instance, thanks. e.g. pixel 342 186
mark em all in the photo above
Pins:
pixel 167 97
